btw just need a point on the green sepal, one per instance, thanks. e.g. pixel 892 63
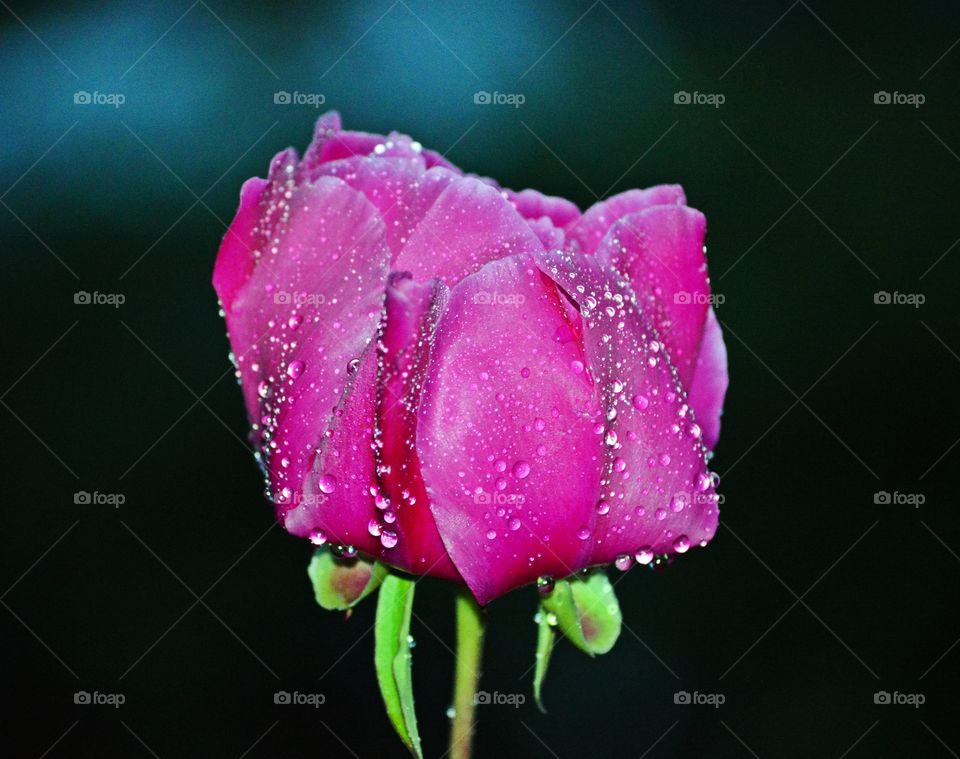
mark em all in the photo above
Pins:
pixel 545 639
pixel 587 611
pixel 392 657
pixel 340 584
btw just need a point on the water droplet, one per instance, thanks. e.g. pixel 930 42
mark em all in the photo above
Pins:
pixel 295 369
pixel 263 389
pixel 623 562
pixel 373 527
pixel 491 534
pixel 603 507
pixel 514 524
pixel 644 555
pixel 521 469
pixel 328 483
pixel 681 544
pixel 576 367
pixel 660 514
pixel 545 584
pixel 583 533
pixel 388 538
pixel 640 402
pixel 318 537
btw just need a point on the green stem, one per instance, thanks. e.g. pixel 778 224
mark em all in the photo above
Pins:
pixel 470 624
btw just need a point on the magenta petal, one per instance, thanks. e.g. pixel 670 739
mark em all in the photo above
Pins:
pixel 590 228
pixel 401 189
pixel 336 499
pixel 506 434
pixel 709 385
pixel 235 261
pixel 308 312
pixel 412 310
pixel 470 224
pixel 531 204
pixel 656 491
pixel 660 250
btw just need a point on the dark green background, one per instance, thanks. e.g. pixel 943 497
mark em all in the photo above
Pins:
pixel 799 478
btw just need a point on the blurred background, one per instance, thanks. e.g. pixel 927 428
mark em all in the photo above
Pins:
pixel 823 144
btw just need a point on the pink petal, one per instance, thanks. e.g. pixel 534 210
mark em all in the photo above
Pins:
pixel 309 309
pixel 531 204
pixel 660 250
pixel 506 433
pixel 401 188
pixel 412 310
pixel 655 488
pixel 468 225
pixel 709 385
pixel 235 261
pixel 590 228
pixel 335 503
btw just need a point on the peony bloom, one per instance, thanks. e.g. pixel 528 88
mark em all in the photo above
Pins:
pixel 466 381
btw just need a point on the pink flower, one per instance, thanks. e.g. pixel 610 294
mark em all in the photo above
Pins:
pixel 466 381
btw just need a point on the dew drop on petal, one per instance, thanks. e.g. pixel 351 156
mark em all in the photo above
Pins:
pixel 521 469
pixel 644 555
pixel 295 369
